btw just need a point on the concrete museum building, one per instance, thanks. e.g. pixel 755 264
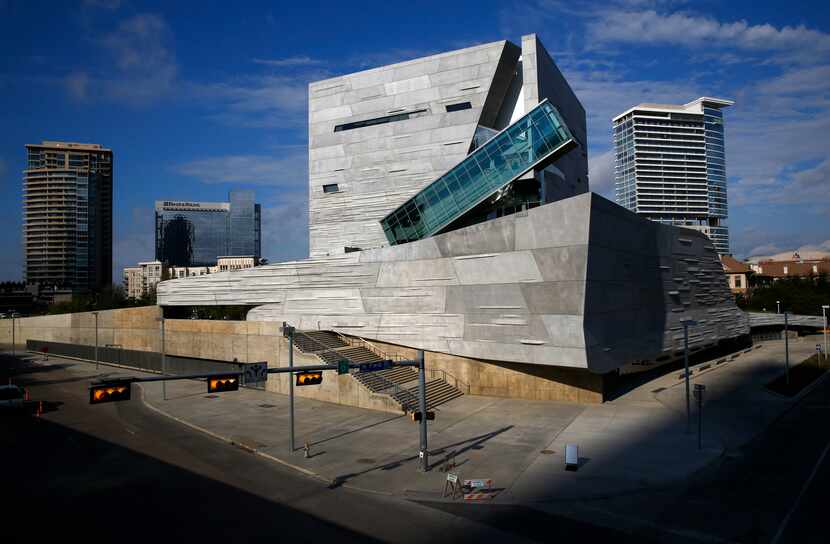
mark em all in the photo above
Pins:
pixel 449 211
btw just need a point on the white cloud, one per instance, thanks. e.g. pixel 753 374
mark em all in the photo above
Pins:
pixel 287 62
pixel 285 226
pixel 77 85
pixel 142 52
pixel 143 65
pixel 268 101
pixel 796 43
pixel 134 241
pixel 776 253
pixel 601 174
pixel 288 167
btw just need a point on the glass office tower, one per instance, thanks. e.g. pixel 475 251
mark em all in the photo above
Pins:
pixel 670 165
pixel 67 216
pixel 197 233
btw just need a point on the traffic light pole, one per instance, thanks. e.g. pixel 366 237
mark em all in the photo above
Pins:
pixel 422 401
pixel 290 388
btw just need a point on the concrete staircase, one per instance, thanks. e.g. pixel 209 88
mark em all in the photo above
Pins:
pixel 399 383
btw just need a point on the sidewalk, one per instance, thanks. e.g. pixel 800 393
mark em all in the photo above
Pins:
pixel 634 442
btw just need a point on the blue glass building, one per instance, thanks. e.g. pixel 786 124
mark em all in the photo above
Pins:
pixel 196 233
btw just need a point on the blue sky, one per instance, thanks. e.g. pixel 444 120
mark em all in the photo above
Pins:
pixel 195 101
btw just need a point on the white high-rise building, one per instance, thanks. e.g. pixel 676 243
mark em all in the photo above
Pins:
pixel 670 165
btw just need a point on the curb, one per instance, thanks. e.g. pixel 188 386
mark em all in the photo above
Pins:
pixel 255 451
pixel 240 445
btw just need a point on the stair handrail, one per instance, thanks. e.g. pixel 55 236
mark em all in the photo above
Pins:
pixel 313 341
pixel 444 375
pixel 361 342
pixel 397 390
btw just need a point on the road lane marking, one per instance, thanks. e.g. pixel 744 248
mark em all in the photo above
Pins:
pixel 784 523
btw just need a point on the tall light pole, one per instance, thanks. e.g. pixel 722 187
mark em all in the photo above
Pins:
pixel 163 358
pixel 824 309
pixel 14 351
pixel 786 349
pixel 778 306
pixel 96 339
pixel 686 324
pixel 288 331
pixel 422 406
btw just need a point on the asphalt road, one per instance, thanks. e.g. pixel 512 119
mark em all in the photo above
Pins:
pixel 122 473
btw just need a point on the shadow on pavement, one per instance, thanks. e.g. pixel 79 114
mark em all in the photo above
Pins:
pixel 60 484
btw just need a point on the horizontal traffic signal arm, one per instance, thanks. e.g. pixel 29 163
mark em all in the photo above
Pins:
pixel 117 385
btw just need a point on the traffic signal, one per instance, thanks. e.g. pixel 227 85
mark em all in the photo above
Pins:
pixel 342 366
pixel 416 416
pixel 309 378
pixel 109 392
pixel 218 384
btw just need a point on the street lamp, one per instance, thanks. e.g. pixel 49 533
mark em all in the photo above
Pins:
pixel 14 347
pixel 96 339
pixel 163 358
pixel 686 324
pixel 778 306
pixel 824 309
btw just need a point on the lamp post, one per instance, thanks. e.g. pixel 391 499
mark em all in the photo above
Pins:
pixel 824 309
pixel 686 324
pixel 96 340
pixel 14 350
pixel 288 331
pixel 778 306
pixel 786 349
pixel 163 358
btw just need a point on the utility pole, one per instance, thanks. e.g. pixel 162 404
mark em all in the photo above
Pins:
pixel 786 349
pixel 163 357
pixel 96 339
pixel 422 401
pixel 288 330
pixel 686 324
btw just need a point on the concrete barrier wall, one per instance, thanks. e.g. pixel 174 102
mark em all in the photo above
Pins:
pixel 513 380
pixel 245 341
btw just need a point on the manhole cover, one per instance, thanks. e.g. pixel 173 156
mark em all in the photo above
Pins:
pixel 547 452
pixel 267 405
pixel 211 396
pixel 365 461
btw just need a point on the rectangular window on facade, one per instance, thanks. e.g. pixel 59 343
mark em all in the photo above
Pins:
pixel 460 106
pixel 331 188
pixel 378 120
pixel 738 282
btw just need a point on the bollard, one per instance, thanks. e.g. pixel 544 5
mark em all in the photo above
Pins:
pixel 307 450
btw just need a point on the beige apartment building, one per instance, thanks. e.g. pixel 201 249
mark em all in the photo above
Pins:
pixel 67 216
pixel 140 280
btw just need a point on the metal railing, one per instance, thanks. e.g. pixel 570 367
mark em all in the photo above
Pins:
pixel 449 379
pixel 361 343
pixel 404 396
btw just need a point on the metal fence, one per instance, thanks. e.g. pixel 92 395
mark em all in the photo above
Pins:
pixel 150 361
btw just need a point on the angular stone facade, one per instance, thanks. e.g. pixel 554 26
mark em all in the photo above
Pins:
pixel 577 283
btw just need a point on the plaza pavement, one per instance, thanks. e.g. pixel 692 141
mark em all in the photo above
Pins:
pixel 634 442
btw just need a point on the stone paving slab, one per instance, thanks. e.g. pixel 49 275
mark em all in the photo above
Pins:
pixel 636 441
